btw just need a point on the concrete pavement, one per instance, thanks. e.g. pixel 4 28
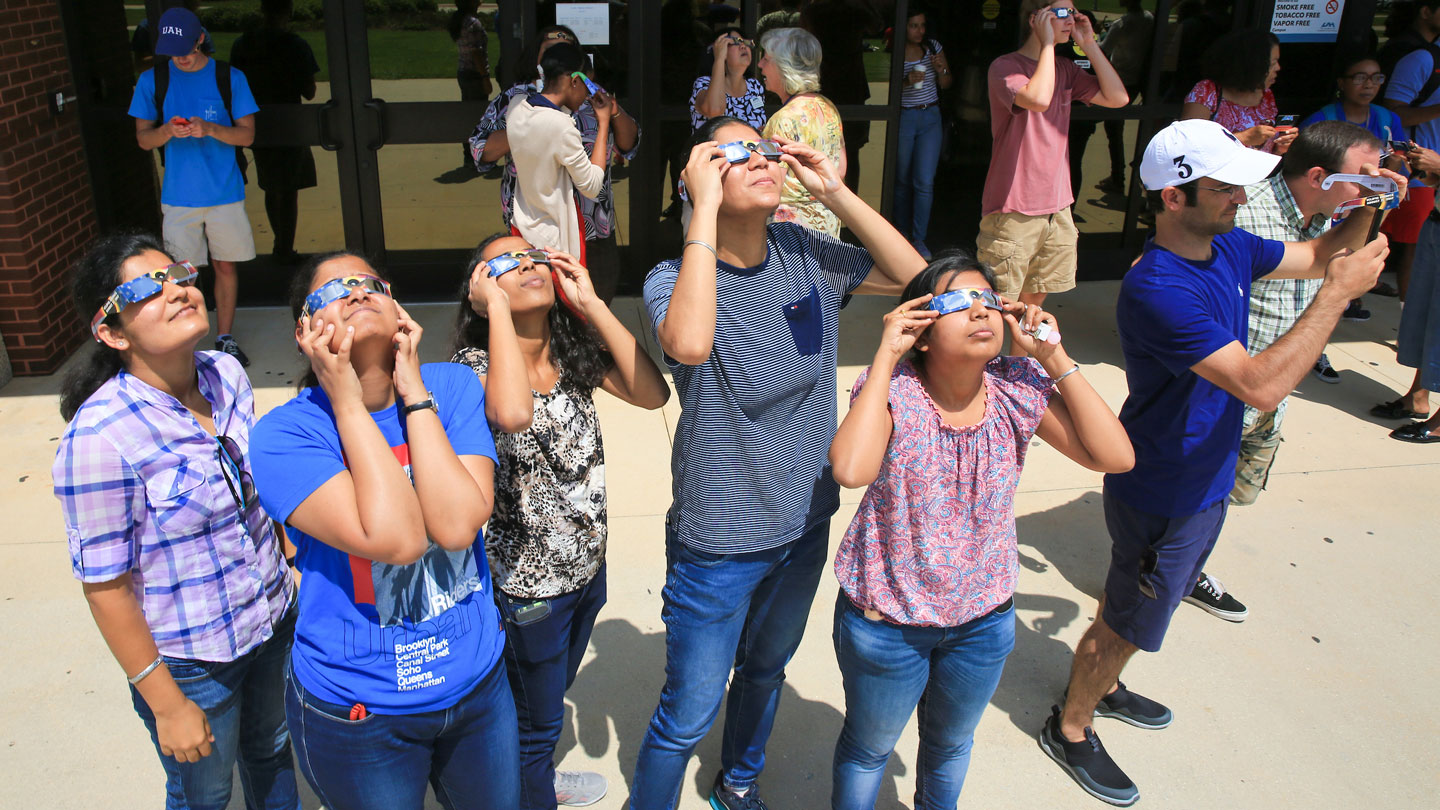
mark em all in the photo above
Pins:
pixel 1324 697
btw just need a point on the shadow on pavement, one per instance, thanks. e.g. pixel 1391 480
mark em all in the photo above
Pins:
pixel 621 685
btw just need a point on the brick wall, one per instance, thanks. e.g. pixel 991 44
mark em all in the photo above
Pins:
pixel 46 207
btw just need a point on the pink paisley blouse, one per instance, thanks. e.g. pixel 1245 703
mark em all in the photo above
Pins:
pixel 933 542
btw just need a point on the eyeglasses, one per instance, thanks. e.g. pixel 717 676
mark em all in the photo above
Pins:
pixel 734 40
pixel 559 35
pixel 142 288
pixel 505 262
pixel 591 87
pixel 1063 12
pixel 961 300
pixel 337 288
pixel 1228 191
pixel 1366 78
pixel 739 151
pixel 242 485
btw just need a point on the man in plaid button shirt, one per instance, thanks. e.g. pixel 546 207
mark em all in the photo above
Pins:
pixel 1291 206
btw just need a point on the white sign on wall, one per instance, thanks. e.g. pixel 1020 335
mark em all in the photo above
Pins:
pixel 589 21
pixel 1306 20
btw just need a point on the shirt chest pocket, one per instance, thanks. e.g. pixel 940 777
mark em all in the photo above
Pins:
pixel 178 501
pixel 212 109
pixel 806 322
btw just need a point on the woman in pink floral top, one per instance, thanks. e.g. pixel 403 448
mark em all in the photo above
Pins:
pixel 928 566
pixel 1242 66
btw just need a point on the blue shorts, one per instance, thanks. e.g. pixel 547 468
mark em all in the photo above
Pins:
pixel 1154 564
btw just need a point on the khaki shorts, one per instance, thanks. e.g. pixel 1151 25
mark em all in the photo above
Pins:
pixel 193 234
pixel 1032 254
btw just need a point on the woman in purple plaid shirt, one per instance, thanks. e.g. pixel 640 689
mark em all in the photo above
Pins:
pixel 180 564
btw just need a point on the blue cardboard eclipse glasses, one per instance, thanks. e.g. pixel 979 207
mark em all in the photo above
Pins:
pixel 337 288
pixel 961 300
pixel 739 151
pixel 140 289
pixel 1063 12
pixel 505 262
pixel 590 87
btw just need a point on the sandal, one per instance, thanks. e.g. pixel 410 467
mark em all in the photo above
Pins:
pixel 1396 410
pixel 1415 433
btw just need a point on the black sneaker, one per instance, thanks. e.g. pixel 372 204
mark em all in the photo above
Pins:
pixel 1210 595
pixel 1088 764
pixel 723 798
pixel 1137 710
pixel 1325 371
pixel 228 345
pixel 1355 313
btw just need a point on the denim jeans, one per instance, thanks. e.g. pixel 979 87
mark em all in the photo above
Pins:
pixel 243 701
pixel 541 660
pixel 469 752
pixel 950 672
pixel 920 138
pixel 723 612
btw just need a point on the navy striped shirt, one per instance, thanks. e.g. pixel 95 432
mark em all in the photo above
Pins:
pixel 756 419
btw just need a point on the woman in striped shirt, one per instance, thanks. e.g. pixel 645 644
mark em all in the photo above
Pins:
pixel 926 73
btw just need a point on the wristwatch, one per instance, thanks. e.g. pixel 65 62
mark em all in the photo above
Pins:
pixel 427 402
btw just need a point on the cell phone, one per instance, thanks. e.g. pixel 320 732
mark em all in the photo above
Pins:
pixel 531 613
pixel 1400 147
pixel 1285 121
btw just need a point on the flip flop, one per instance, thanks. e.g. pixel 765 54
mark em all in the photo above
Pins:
pixel 1394 410
pixel 1415 433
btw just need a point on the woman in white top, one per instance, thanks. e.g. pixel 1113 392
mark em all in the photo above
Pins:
pixel 549 155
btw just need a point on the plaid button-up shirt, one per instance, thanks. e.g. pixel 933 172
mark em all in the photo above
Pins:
pixel 143 492
pixel 1272 213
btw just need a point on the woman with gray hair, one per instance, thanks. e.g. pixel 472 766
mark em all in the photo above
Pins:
pixel 790 63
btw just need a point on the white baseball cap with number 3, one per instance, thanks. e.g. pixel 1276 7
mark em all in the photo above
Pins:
pixel 1189 150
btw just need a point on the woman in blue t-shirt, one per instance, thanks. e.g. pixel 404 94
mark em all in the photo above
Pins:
pixel 1357 82
pixel 383 470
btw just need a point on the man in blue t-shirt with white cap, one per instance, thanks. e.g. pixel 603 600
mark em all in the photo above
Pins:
pixel 202 197
pixel 1182 314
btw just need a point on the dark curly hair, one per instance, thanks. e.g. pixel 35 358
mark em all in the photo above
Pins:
pixel 92 279
pixel 1239 60
pixel 574 347
pixel 300 288
pixel 943 268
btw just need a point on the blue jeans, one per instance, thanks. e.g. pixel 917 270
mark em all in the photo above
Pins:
pixel 469 752
pixel 541 659
pixel 920 138
pixel 950 672
pixel 243 702
pixel 724 612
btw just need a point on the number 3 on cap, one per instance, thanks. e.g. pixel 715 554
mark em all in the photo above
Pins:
pixel 1183 168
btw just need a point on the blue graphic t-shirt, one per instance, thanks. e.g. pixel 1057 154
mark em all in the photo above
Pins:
pixel 398 638
pixel 1172 313
pixel 199 172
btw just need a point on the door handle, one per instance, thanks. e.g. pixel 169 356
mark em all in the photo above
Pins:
pixel 322 117
pixel 377 105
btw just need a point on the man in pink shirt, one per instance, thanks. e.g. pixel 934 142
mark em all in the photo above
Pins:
pixel 1026 232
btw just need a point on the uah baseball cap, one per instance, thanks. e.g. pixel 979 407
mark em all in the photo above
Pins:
pixel 1189 150
pixel 179 30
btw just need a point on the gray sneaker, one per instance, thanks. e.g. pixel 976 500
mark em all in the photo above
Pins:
pixel 579 788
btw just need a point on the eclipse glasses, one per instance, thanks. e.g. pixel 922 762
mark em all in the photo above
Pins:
pixel 142 288
pixel 505 262
pixel 739 151
pixel 961 300
pixel 337 288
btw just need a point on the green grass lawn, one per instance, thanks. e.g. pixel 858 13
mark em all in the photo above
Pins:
pixel 393 54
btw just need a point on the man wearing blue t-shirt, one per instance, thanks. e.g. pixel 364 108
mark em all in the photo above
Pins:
pixel 202 197
pixel 1183 317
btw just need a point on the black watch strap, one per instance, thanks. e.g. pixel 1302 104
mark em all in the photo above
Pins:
pixel 427 403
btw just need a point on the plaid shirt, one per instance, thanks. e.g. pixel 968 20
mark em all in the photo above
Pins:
pixel 598 214
pixel 1272 213
pixel 143 493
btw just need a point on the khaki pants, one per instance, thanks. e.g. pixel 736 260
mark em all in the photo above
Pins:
pixel 1031 254
pixel 1259 439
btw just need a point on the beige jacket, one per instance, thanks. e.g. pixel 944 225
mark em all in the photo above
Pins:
pixel 550 162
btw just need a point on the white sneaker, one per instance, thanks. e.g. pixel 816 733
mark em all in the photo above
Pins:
pixel 579 788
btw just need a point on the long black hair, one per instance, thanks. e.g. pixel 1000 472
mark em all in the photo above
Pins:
pixel 575 349
pixel 92 280
pixel 942 269
pixel 300 290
